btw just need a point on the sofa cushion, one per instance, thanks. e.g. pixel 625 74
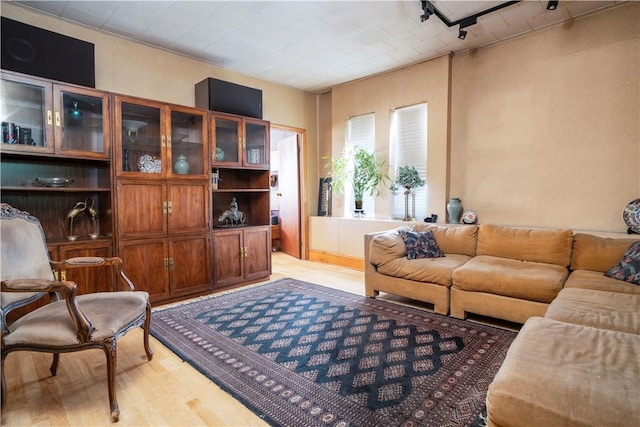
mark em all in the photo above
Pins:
pixel 427 270
pixel 533 281
pixel 560 374
pixel 551 246
pixel 600 309
pixel 586 279
pixel 420 244
pixel 628 267
pixel 453 239
pixel 386 246
pixel 597 253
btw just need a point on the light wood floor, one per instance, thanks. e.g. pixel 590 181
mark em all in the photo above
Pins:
pixel 162 392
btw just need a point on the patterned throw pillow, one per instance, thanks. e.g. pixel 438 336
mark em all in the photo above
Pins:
pixel 628 268
pixel 420 245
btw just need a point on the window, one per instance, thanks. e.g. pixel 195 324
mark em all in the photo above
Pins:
pixel 408 147
pixel 360 132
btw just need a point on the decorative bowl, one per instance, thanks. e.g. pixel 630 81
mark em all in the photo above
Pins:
pixel 149 164
pixel 54 181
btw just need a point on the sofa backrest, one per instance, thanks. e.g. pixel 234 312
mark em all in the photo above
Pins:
pixel 597 253
pixel 551 246
pixel 453 239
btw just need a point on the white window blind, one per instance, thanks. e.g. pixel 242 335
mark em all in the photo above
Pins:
pixel 408 140
pixel 360 132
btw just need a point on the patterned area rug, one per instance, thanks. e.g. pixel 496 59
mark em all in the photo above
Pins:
pixel 299 354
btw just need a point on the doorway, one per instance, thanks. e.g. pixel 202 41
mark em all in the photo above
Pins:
pixel 287 201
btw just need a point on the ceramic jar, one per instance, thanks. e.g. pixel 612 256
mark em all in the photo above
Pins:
pixel 454 209
pixel 182 166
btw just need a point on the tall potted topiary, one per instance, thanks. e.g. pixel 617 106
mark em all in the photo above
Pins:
pixel 360 168
pixel 408 178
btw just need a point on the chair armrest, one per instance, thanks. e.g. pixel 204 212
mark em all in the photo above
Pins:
pixel 84 328
pixel 26 285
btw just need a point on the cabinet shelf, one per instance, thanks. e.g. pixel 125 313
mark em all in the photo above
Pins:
pixel 80 240
pixel 241 190
pixel 56 189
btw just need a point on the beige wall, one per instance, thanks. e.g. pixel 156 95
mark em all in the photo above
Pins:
pixel 426 82
pixel 545 129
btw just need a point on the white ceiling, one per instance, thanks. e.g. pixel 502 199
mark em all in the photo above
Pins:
pixel 310 45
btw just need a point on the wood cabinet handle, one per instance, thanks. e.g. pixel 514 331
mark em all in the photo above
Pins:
pixel 58 120
pixel 49 118
pixel 163 141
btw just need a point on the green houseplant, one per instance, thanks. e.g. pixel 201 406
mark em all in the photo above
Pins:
pixel 408 178
pixel 359 167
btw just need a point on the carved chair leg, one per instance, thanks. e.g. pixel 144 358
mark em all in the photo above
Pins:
pixel 54 364
pixel 110 350
pixel 147 326
pixel 4 383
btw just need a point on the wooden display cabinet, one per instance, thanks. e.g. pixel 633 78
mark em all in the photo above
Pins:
pixel 91 185
pixel 240 160
pixel 241 255
pixel 155 140
pixel 168 268
pixel 158 208
pixel 40 116
pixel 163 203
pixel 55 155
pixel 239 141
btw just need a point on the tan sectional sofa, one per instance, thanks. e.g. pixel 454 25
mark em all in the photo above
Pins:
pixel 579 365
pixel 576 360
pixel 387 268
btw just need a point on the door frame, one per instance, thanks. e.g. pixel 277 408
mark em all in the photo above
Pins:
pixel 302 186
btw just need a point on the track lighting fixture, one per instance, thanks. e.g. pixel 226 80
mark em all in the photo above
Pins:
pixel 428 9
pixel 552 5
pixel 462 33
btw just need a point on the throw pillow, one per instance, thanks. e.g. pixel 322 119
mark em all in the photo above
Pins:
pixel 628 268
pixel 420 245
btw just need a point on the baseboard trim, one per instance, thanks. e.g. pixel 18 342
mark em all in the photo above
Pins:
pixel 341 260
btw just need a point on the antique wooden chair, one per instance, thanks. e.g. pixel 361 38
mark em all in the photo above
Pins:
pixel 68 323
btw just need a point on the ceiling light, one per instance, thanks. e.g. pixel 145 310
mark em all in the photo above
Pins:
pixel 462 34
pixel 552 5
pixel 428 10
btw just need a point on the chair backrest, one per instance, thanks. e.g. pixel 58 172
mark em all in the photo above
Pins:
pixel 23 249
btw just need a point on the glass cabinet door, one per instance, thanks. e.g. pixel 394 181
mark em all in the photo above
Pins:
pixel 256 143
pixel 26 116
pixel 140 140
pixel 226 140
pixel 188 148
pixel 81 125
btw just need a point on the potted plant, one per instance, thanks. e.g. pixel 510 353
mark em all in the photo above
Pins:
pixel 408 178
pixel 360 168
